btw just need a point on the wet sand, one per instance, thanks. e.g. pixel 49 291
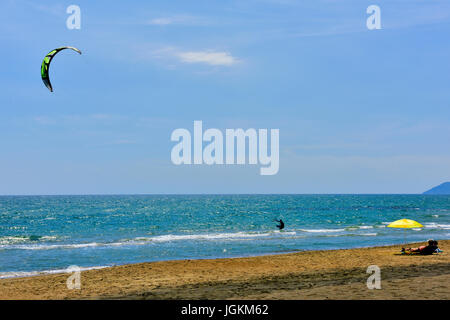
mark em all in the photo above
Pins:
pixel 335 274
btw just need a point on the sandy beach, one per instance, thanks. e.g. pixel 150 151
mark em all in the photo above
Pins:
pixel 336 274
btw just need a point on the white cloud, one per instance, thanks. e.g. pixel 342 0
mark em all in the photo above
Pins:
pixel 161 21
pixel 179 19
pixel 44 120
pixel 173 56
pixel 208 57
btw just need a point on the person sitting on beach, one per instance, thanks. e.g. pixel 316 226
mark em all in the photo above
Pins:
pixel 424 250
pixel 281 225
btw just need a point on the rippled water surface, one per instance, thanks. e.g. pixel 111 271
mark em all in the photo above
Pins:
pixel 50 233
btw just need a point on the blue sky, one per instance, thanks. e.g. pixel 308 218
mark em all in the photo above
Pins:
pixel 359 111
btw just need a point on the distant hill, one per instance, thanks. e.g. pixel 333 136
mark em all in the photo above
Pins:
pixel 440 189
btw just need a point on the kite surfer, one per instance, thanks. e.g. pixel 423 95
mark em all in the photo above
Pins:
pixel 280 225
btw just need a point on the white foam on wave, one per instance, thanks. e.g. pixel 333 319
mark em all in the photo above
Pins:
pixel 350 235
pixel 155 239
pixel 214 236
pixel 12 239
pixel 358 228
pixel 21 239
pixel 237 236
pixel 51 246
pixel 322 230
pixel 435 225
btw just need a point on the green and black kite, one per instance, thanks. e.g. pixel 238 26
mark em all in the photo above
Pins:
pixel 46 65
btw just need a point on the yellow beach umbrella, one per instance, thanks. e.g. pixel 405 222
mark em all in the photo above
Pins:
pixel 405 224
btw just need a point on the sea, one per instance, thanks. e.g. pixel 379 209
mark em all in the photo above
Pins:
pixel 49 234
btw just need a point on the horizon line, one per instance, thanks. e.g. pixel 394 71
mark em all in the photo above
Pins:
pixel 194 194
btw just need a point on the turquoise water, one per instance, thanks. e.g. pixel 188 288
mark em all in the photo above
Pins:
pixel 51 233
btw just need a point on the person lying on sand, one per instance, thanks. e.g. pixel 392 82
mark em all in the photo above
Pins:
pixel 425 250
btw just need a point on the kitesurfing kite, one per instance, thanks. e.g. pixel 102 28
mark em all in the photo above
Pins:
pixel 46 65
